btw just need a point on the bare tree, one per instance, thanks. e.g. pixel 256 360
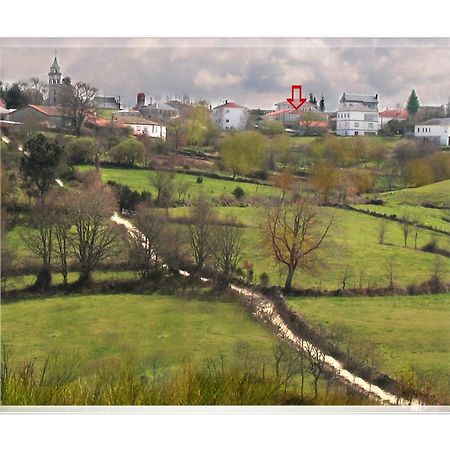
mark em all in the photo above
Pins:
pixel 288 364
pixel 95 236
pixel 391 268
pixel 162 181
pixel 416 231
pixel 362 273
pixel 39 240
pixel 293 233
pixel 78 102
pixel 200 233
pixel 316 365
pixel 58 202
pixel 182 191
pixel 227 248
pixel 147 241
pixel 382 227
pixel 405 225
pixel 345 276
pixel 173 247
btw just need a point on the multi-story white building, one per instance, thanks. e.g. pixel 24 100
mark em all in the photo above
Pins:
pixel 230 116
pixel 357 115
pixel 434 130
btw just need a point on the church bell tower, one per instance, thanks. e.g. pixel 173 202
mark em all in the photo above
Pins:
pixel 54 83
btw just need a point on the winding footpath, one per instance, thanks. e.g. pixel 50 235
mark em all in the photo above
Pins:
pixel 265 311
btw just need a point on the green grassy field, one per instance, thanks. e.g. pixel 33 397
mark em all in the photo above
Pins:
pixel 403 330
pixel 431 217
pixel 353 245
pixel 25 281
pixel 138 180
pixel 436 193
pixel 140 328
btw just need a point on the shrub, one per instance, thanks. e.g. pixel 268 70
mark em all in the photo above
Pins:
pixel 129 199
pixel 238 193
pixel 199 180
pixel 129 151
pixel 264 279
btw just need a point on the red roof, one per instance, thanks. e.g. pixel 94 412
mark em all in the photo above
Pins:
pixel 277 113
pixel 394 114
pixel 53 111
pixel 230 105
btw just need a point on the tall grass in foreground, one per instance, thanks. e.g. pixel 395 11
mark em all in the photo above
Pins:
pixel 55 383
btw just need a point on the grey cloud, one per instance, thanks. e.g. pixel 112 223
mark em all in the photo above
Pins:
pixel 255 72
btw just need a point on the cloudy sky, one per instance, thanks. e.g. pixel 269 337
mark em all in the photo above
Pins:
pixel 254 72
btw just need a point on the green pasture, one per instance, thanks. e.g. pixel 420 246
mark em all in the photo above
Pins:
pixel 139 180
pixel 148 329
pixel 403 331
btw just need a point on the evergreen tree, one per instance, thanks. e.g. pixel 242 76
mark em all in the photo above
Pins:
pixel 14 97
pixel 311 98
pixel 41 164
pixel 322 104
pixel 413 103
pixel 315 101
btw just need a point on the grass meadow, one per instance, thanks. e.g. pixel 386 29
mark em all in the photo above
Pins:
pixel 139 180
pixel 353 247
pixel 148 329
pixel 403 330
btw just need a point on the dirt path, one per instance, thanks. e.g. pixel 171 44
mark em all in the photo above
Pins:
pixel 266 312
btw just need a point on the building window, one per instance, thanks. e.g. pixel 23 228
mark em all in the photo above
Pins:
pixel 418 129
pixel 370 125
pixel 227 120
pixel 356 124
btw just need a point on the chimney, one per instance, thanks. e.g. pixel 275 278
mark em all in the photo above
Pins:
pixel 140 100
pixel 226 101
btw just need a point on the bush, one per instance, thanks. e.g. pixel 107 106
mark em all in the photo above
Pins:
pixel 238 193
pixel 199 180
pixel 81 150
pixel 432 247
pixel 129 199
pixel 264 279
pixel 129 151
pixel 376 201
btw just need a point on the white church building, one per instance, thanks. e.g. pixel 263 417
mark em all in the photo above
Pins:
pixel 357 115
pixel 230 116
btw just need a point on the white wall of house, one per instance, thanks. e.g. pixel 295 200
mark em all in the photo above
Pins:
pixel 354 123
pixel 230 118
pixel 156 131
pixel 438 134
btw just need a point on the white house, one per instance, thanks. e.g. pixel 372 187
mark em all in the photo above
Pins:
pixel 434 130
pixel 230 116
pixel 144 126
pixel 357 115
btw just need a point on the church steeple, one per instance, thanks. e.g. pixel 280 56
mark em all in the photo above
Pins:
pixel 54 82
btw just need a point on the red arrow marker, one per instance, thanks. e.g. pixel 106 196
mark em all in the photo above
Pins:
pixel 296 100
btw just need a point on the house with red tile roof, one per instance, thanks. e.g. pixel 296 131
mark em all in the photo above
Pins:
pixel 392 114
pixel 45 116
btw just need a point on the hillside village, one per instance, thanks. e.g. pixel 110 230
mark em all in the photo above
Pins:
pixel 179 252
pixel 357 115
